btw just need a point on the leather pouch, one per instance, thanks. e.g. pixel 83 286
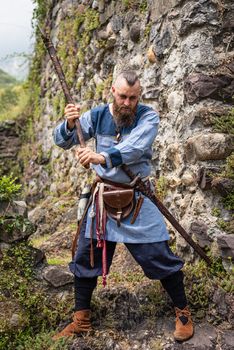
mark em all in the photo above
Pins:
pixel 119 203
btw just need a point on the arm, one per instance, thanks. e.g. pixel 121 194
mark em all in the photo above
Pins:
pixel 65 135
pixel 136 144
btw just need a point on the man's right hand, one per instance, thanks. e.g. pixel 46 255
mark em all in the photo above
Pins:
pixel 72 112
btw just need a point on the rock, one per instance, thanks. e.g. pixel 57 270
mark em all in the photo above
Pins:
pixel 228 17
pixel 102 34
pixel 9 146
pixel 116 23
pixel 199 229
pixel 38 256
pixel 101 5
pixel 224 185
pixel 172 72
pixel 151 55
pixel 188 178
pixel 226 246
pixel 150 94
pixel 109 11
pixel 205 115
pixel 208 147
pixel 15 230
pixel 80 8
pixel 57 276
pixel 219 300
pixel 37 215
pixel 229 299
pixel 197 13
pixel 198 51
pixel 175 100
pixel 135 32
pixel 198 86
pixel 162 43
pixel 173 181
pixel 137 61
pixel 206 175
pixel 95 4
pixel 227 339
pixel 173 155
pixel 71 215
pixel 13 209
pixel 15 321
pixel 160 7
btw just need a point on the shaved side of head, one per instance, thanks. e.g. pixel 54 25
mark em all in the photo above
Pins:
pixel 129 76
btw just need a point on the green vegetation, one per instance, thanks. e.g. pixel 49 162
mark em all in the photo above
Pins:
pixel 22 295
pixel 147 30
pixel 201 281
pixel 228 201
pixel 229 167
pixel 161 187
pixel 6 80
pixel 13 101
pixel 140 5
pixel 225 123
pixel 216 212
pixel 8 188
pixel 13 97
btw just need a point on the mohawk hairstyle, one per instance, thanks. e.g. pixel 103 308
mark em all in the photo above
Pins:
pixel 130 76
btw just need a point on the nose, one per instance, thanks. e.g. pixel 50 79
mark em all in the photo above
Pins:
pixel 127 102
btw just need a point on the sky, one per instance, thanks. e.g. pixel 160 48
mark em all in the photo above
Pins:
pixel 15 31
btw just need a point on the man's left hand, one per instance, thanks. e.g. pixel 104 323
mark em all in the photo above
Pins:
pixel 87 156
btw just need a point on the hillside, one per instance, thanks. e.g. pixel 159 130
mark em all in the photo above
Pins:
pixel 6 79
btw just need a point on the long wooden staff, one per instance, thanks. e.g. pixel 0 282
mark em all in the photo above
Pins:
pixel 139 183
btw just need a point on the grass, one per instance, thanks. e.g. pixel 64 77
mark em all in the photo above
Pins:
pixel 38 241
pixel 62 260
pixel 13 110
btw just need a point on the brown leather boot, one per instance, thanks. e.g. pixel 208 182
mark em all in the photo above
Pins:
pixel 184 324
pixel 81 323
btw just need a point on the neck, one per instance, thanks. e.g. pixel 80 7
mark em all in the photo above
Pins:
pixel 111 108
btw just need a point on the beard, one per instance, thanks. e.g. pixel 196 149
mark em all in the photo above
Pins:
pixel 123 116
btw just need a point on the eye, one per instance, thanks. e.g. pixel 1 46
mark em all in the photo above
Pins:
pixel 123 97
pixel 132 98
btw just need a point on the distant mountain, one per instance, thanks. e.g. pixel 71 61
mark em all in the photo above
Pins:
pixel 6 79
pixel 16 66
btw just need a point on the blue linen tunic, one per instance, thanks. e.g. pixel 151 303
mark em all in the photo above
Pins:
pixel 134 150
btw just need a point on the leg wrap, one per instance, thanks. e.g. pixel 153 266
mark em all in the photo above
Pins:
pixel 84 288
pixel 174 286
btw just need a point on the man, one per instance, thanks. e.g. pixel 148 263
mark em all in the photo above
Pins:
pixel 124 132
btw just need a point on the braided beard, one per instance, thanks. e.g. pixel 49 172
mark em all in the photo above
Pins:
pixel 123 116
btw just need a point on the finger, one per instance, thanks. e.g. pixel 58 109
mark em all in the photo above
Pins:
pixel 70 105
pixel 72 115
pixel 83 150
pixel 84 160
pixel 71 110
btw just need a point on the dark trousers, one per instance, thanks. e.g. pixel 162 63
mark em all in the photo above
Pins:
pixel 156 260
pixel 173 284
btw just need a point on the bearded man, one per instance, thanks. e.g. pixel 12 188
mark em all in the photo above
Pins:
pixel 124 132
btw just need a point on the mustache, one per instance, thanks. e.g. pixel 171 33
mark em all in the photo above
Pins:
pixel 119 108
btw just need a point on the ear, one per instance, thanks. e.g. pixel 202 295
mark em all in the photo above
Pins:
pixel 113 89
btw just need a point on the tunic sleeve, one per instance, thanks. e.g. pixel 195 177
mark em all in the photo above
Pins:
pixel 66 139
pixel 137 143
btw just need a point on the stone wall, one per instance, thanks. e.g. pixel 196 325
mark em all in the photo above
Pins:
pixel 183 52
pixel 9 147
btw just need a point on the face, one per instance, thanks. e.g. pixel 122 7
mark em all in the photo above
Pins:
pixel 125 101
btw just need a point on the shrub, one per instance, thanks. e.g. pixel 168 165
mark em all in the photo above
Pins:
pixel 8 188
